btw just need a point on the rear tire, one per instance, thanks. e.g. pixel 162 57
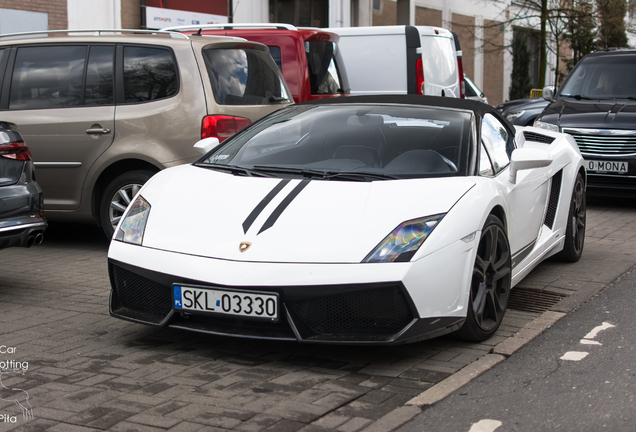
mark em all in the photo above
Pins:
pixel 575 230
pixel 490 283
pixel 118 195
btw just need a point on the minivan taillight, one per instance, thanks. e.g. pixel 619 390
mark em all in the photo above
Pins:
pixel 419 76
pixel 16 150
pixel 222 126
pixel 462 82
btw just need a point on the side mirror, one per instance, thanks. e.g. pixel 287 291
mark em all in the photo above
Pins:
pixel 527 158
pixel 548 93
pixel 206 144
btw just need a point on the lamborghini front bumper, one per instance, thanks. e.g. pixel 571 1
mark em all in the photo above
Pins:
pixel 319 303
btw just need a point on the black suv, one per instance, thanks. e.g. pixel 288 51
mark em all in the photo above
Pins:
pixel 22 220
pixel 597 106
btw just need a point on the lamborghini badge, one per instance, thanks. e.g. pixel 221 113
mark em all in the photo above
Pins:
pixel 244 246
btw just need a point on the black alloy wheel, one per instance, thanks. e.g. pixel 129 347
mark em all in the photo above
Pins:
pixel 575 230
pixel 490 283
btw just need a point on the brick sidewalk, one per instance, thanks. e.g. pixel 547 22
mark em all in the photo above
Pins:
pixel 88 371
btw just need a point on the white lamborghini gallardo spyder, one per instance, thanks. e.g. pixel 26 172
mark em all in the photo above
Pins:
pixel 360 220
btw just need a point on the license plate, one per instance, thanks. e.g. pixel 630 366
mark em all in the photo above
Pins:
pixel 226 302
pixel 619 167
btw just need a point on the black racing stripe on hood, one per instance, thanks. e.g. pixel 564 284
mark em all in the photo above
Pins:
pixel 259 208
pixel 271 220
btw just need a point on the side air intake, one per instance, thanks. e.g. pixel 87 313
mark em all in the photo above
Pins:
pixel 555 191
pixel 536 137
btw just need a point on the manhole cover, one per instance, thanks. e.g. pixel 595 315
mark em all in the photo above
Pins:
pixel 529 300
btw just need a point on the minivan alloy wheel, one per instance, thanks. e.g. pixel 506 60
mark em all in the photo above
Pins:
pixel 120 201
pixel 118 195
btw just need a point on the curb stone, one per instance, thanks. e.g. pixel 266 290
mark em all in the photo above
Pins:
pixel 449 385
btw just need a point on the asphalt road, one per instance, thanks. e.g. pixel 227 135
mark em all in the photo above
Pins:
pixel 579 375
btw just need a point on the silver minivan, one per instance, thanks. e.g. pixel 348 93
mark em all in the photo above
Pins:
pixel 103 111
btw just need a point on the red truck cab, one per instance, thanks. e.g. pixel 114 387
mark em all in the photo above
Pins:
pixel 309 59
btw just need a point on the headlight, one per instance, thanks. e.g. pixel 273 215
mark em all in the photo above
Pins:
pixel 515 115
pixel 131 229
pixel 547 126
pixel 404 241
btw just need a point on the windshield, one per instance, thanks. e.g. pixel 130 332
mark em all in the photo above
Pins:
pixel 325 76
pixel 602 77
pixel 470 90
pixel 440 66
pixel 329 141
pixel 244 77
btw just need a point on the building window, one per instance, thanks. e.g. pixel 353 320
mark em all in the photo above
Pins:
pixel 532 39
pixel 355 13
pixel 301 13
pixel 16 21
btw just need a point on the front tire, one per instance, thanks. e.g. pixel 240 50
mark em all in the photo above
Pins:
pixel 575 230
pixel 118 195
pixel 490 283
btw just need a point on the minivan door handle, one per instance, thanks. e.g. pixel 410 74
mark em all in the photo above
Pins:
pixel 97 129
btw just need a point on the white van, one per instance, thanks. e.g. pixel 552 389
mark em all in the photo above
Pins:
pixel 402 60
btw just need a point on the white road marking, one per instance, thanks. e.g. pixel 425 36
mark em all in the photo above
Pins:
pixel 574 355
pixel 485 426
pixel 590 342
pixel 593 333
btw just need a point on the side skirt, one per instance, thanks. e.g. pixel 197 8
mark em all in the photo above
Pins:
pixel 534 260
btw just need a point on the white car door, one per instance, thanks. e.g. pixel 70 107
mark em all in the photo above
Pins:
pixel 527 197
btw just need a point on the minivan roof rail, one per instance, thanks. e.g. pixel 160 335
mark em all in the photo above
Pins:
pixel 96 32
pixel 232 26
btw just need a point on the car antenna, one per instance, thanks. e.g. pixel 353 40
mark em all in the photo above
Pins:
pixel 199 32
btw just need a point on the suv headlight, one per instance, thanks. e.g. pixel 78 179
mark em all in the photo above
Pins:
pixel 404 241
pixel 547 126
pixel 132 227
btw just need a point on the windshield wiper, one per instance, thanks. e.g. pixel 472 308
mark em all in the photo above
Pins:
pixel 324 175
pixel 236 170
pixel 286 170
pixel 579 97
pixel 358 176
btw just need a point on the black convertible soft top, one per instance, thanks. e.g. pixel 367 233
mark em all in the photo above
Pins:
pixel 431 101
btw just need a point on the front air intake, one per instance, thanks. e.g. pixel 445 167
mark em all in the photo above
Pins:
pixel 368 314
pixel 139 298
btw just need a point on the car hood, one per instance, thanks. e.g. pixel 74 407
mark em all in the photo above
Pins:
pixel 514 103
pixel 534 103
pixel 591 114
pixel 208 213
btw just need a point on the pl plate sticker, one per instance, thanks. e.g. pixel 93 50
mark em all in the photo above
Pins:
pixel 177 297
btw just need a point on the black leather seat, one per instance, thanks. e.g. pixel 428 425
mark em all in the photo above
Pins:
pixel 418 162
pixel 367 155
